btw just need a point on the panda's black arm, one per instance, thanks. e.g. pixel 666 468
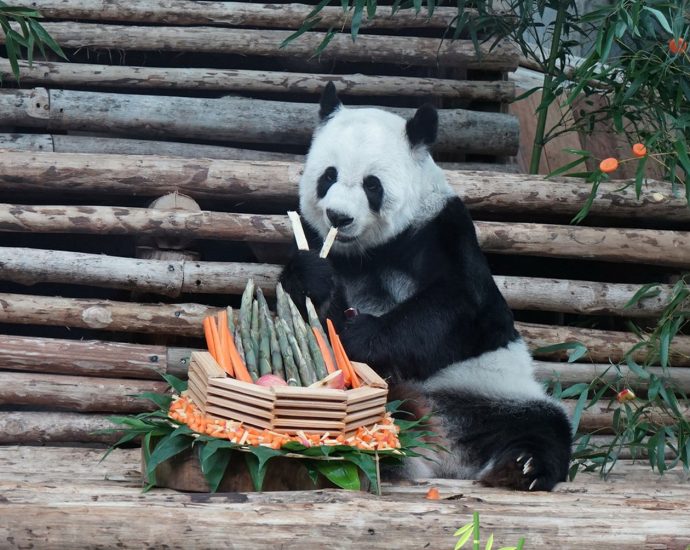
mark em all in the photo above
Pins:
pixel 434 328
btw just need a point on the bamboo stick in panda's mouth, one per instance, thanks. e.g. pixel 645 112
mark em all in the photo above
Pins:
pixel 328 242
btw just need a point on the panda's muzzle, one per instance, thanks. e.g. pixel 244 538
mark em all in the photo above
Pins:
pixel 338 219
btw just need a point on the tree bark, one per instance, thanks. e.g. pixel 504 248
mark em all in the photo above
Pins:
pixel 58 75
pixel 235 14
pixel 41 428
pixel 277 182
pixel 400 50
pixel 235 119
pixel 76 393
pixel 82 357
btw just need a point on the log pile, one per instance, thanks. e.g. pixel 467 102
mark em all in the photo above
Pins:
pixel 100 293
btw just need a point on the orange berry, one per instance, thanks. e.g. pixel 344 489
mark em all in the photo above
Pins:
pixel 432 494
pixel 608 165
pixel 639 150
pixel 676 46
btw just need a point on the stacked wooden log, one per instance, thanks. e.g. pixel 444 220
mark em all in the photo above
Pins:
pixel 238 48
pixel 100 293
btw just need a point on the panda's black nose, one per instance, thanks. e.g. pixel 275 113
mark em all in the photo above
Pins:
pixel 338 219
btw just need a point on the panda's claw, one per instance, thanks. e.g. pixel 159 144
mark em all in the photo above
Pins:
pixel 534 482
pixel 522 457
pixel 527 468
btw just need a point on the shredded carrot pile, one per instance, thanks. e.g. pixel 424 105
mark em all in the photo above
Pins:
pixel 379 437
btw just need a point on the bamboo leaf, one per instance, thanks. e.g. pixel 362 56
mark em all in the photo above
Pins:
pixel 649 290
pixel 660 17
pixel 464 538
pixel 637 369
pixel 579 407
pixel 357 18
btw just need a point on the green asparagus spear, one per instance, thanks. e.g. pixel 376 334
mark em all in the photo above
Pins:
pixel 282 307
pixel 276 359
pixel 298 345
pixel 316 325
pixel 245 330
pixel 291 372
pixel 264 337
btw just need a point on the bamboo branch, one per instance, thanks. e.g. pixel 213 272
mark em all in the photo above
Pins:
pixel 276 182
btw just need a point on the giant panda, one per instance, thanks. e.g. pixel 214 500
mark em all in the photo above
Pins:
pixel 430 316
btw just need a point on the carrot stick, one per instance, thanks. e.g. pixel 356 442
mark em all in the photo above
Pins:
pixel 208 333
pixel 327 357
pixel 241 372
pixel 225 360
pixel 353 376
pixel 216 339
pixel 339 355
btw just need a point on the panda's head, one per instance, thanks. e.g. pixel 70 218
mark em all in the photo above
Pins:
pixel 369 173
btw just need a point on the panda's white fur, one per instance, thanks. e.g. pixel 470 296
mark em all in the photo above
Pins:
pixel 430 314
pixel 369 132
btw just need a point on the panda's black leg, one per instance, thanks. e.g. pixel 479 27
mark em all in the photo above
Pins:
pixel 517 444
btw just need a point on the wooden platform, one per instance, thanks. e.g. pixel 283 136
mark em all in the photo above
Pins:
pixel 62 497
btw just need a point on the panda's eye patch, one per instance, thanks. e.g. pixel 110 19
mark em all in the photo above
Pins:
pixel 328 178
pixel 374 191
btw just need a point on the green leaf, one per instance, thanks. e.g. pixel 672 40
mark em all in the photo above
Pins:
pixel 325 42
pixel 566 168
pixel 464 538
pixel 575 389
pixel 342 473
pixel 463 529
pixel 660 17
pixel 490 542
pixel 42 37
pixel 526 94
pixel 168 447
pixel 579 407
pixel 576 350
pixel 649 290
pixel 306 26
pixel 366 463
pixel 637 369
pixel 175 383
pixel 257 461
pixel 371 9
pixel 357 18
pixel 664 343
pixel 214 458
pixel 162 400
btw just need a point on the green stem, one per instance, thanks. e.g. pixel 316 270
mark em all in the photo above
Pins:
pixel 475 534
pixel 547 92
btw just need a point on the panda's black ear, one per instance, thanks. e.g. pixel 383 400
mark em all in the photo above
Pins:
pixel 423 126
pixel 329 101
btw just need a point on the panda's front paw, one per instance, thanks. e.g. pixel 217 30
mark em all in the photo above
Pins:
pixel 306 274
pixel 360 337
